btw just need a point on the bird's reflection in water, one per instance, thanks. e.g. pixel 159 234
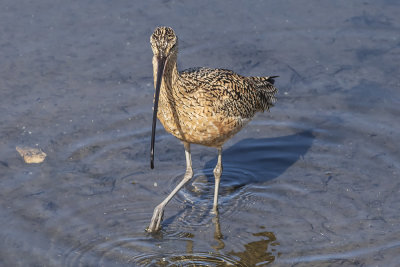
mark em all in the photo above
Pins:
pixel 217 233
pixel 256 253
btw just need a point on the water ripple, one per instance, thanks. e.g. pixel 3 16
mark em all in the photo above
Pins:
pixel 189 259
pixel 196 198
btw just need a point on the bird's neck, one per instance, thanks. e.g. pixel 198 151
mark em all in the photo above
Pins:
pixel 171 74
pixel 170 78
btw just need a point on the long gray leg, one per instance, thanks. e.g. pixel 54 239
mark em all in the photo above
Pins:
pixel 158 214
pixel 217 234
pixel 217 175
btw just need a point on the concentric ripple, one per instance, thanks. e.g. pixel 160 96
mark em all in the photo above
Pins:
pixel 104 251
pixel 142 250
pixel 189 259
pixel 196 198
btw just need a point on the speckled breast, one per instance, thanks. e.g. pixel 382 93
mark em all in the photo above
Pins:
pixel 196 124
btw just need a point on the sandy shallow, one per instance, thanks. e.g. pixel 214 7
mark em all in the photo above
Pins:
pixel 315 182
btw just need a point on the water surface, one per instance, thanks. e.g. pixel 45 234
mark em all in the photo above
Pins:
pixel 315 182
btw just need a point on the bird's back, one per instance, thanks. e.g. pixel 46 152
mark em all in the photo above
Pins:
pixel 230 93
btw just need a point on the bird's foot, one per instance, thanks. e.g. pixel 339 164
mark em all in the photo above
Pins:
pixel 158 215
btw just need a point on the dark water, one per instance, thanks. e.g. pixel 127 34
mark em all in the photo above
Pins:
pixel 316 182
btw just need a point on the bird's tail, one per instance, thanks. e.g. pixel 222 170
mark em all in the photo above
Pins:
pixel 267 90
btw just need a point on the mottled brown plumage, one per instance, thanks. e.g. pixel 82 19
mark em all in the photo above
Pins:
pixel 201 105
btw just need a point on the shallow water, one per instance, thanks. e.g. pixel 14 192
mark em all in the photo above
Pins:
pixel 315 182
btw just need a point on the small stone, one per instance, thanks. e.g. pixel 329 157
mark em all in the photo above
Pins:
pixel 31 155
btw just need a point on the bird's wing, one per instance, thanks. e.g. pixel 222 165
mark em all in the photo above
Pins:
pixel 228 92
pixel 194 79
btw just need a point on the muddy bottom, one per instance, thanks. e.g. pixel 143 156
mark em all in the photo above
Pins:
pixel 315 182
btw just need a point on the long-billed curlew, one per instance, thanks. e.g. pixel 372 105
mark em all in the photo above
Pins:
pixel 200 106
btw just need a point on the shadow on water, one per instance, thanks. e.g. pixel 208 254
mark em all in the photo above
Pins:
pixel 246 162
pixel 262 159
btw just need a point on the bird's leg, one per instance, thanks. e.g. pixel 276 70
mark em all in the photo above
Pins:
pixel 158 214
pixel 217 234
pixel 217 175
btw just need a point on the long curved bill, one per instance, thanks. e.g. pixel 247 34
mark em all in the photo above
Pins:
pixel 160 71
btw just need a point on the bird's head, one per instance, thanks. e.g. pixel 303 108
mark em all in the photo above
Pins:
pixel 164 44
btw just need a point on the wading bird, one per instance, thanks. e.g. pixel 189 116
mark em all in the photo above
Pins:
pixel 200 106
